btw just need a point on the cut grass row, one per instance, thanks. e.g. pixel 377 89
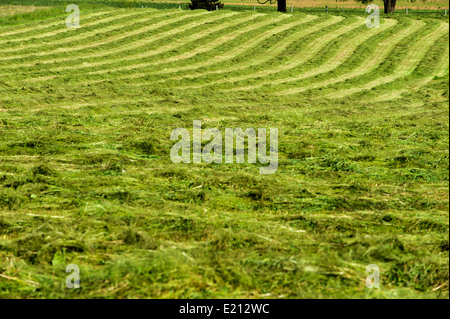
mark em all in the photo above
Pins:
pixel 141 31
pixel 407 64
pixel 312 50
pixel 47 36
pixel 85 175
pixel 349 52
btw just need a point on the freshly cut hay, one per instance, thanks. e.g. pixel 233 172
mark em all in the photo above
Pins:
pixel 6 10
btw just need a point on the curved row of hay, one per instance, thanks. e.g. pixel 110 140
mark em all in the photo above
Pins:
pixel 228 51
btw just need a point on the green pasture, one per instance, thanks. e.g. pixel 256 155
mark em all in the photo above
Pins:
pixel 86 176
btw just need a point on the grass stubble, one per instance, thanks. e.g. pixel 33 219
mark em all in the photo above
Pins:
pixel 86 177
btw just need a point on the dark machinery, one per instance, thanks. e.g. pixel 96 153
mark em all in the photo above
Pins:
pixel 281 4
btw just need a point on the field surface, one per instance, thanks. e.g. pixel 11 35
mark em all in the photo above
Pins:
pixel 401 4
pixel 6 10
pixel 86 176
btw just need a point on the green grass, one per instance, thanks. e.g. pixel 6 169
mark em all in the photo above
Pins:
pixel 86 177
